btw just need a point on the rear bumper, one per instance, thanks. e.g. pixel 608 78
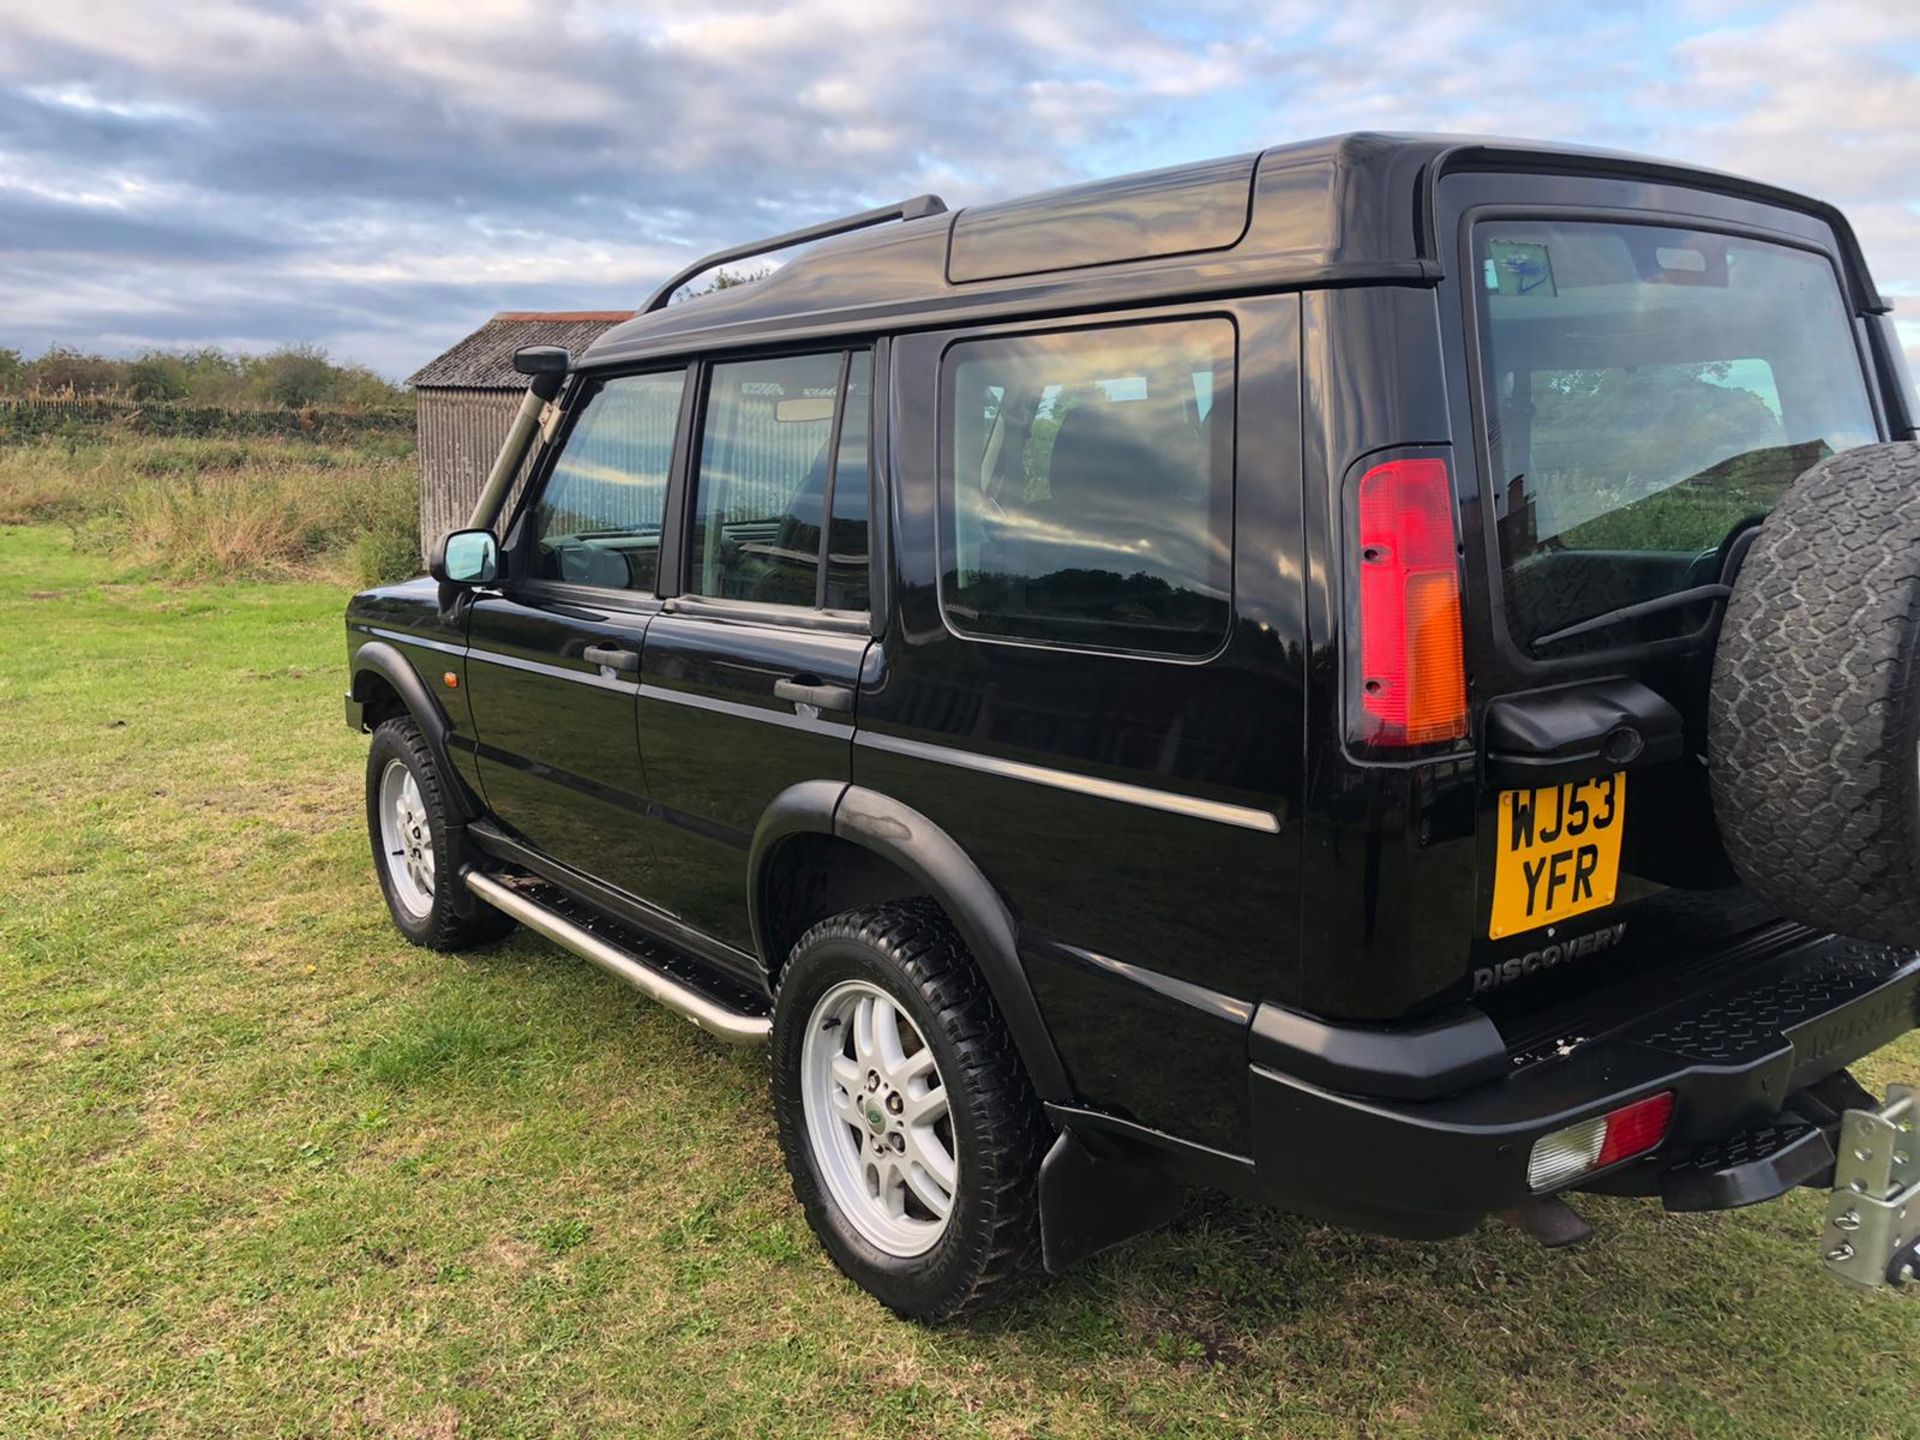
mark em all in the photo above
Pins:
pixel 1732 1052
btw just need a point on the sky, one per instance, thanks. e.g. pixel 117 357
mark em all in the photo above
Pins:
pixel 378 176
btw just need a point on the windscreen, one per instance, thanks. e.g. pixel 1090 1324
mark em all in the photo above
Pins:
pixel 1651 392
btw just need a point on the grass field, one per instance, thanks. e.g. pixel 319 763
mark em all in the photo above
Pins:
pixel 267 1171
pixel 225 506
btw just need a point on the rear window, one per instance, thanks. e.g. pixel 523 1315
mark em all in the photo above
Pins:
pixel 1652 392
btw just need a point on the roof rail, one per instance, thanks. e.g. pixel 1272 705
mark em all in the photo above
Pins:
pixel 917 208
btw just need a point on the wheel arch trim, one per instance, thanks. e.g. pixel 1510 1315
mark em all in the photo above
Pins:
pixel 901 835
pixel 378 658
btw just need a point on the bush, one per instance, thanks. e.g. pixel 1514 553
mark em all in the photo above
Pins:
pixel 389 547
pixel 292 377
pixel 25 420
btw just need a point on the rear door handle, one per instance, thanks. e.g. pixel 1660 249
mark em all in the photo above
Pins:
pixel 611 656
pixel 804 691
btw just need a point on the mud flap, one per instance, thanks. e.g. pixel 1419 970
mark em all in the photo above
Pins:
pixel 1089 1203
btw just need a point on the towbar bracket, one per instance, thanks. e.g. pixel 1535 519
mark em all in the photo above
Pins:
pixel 1873 1216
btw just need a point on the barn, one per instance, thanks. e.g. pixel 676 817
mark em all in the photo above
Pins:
pixel 466 399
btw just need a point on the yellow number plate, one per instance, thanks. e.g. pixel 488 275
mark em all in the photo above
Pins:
pixel 1559 853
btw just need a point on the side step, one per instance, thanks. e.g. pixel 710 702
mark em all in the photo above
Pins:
pixel 734 1026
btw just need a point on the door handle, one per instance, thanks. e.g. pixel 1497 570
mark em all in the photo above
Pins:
pixel 611 656
pixel 803 691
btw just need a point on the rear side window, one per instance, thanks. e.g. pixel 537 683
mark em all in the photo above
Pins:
pixel 765 503
pixel 847 545
pixel 597 521
pixel 1654 391
pixel 1087 487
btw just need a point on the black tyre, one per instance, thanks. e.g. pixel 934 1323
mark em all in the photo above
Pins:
pixel 1814 723
pixel 416 845
pixel 908 1123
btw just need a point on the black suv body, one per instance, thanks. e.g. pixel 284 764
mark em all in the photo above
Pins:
pixel 1068 574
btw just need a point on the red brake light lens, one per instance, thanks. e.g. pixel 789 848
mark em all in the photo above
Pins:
pixel 1636 1129
pixel 1413 682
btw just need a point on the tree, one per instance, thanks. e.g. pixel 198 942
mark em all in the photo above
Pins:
pixel 294 376
pixel 723 279
pixel 157 375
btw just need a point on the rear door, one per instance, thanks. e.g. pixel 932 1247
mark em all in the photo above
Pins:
pixel 750 672
pixel 1650 369
pixel 555 656
pixel 1094 678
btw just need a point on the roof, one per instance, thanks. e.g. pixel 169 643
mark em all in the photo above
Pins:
pixel 484 360
pixel 1338 210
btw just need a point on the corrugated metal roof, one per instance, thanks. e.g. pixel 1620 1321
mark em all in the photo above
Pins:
pixel 484 360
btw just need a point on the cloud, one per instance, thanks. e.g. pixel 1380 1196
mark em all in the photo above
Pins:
pixel 378 175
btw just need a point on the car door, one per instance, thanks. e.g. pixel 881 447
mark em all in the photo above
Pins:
pixel 555 655
pixel 1095 677
pixel 749 674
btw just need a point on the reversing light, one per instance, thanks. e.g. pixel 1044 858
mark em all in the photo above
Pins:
pixel 1413 685
pixel 1621 1134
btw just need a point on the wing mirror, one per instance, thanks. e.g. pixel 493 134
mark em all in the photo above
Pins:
pixel 542 360
pixel 465 557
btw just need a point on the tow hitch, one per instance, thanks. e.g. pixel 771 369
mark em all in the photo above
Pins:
pixel 1873 1218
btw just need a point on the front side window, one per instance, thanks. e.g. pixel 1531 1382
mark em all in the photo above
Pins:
pixel 764 501
pixel 1653 392
pixel 1087 487
pixel 597 521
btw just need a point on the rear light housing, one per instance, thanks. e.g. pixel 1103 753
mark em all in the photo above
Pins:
pixel 1409 664
pixel 1593 1145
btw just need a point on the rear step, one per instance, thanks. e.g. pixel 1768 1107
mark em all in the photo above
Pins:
pixel 626 955
pixel 1794 1149
pixel 1750 1167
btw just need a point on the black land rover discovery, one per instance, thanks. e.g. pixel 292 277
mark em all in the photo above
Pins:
pixel 1377 675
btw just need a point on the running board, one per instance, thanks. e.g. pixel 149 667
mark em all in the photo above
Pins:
pixel 709 1014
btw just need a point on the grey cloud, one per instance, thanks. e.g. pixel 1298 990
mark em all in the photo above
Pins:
pixel 382 173
pixel 32 224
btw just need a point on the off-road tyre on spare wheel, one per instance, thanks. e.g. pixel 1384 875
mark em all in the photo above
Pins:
pixel 418 846
pixel 908 1123
pixel 1813 741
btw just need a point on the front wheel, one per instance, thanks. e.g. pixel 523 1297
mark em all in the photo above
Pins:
pixel 910 1130
pixel 415 844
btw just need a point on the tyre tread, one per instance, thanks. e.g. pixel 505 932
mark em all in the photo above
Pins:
pixel 1810 735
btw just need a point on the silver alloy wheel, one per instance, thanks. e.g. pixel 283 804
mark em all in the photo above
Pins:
pixel 877 1119
pixel 406 839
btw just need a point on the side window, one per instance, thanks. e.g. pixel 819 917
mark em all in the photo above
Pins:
pixel 764 502
pixel 597 520
pixel 1087 487
pixel 847 543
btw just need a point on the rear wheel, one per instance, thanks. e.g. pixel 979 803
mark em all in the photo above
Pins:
pixel 416 844
pixel 909 1128
pixel 1814 724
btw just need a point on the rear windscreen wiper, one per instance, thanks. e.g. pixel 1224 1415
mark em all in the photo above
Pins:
pixel 1659 605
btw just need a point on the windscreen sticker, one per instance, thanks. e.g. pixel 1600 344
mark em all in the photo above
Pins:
pixel 1519 267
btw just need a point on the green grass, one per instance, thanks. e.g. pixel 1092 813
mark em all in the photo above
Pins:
pixel 265 1170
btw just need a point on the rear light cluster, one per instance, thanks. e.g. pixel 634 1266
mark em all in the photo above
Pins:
pixel 1413 678
pixel 1591 1145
